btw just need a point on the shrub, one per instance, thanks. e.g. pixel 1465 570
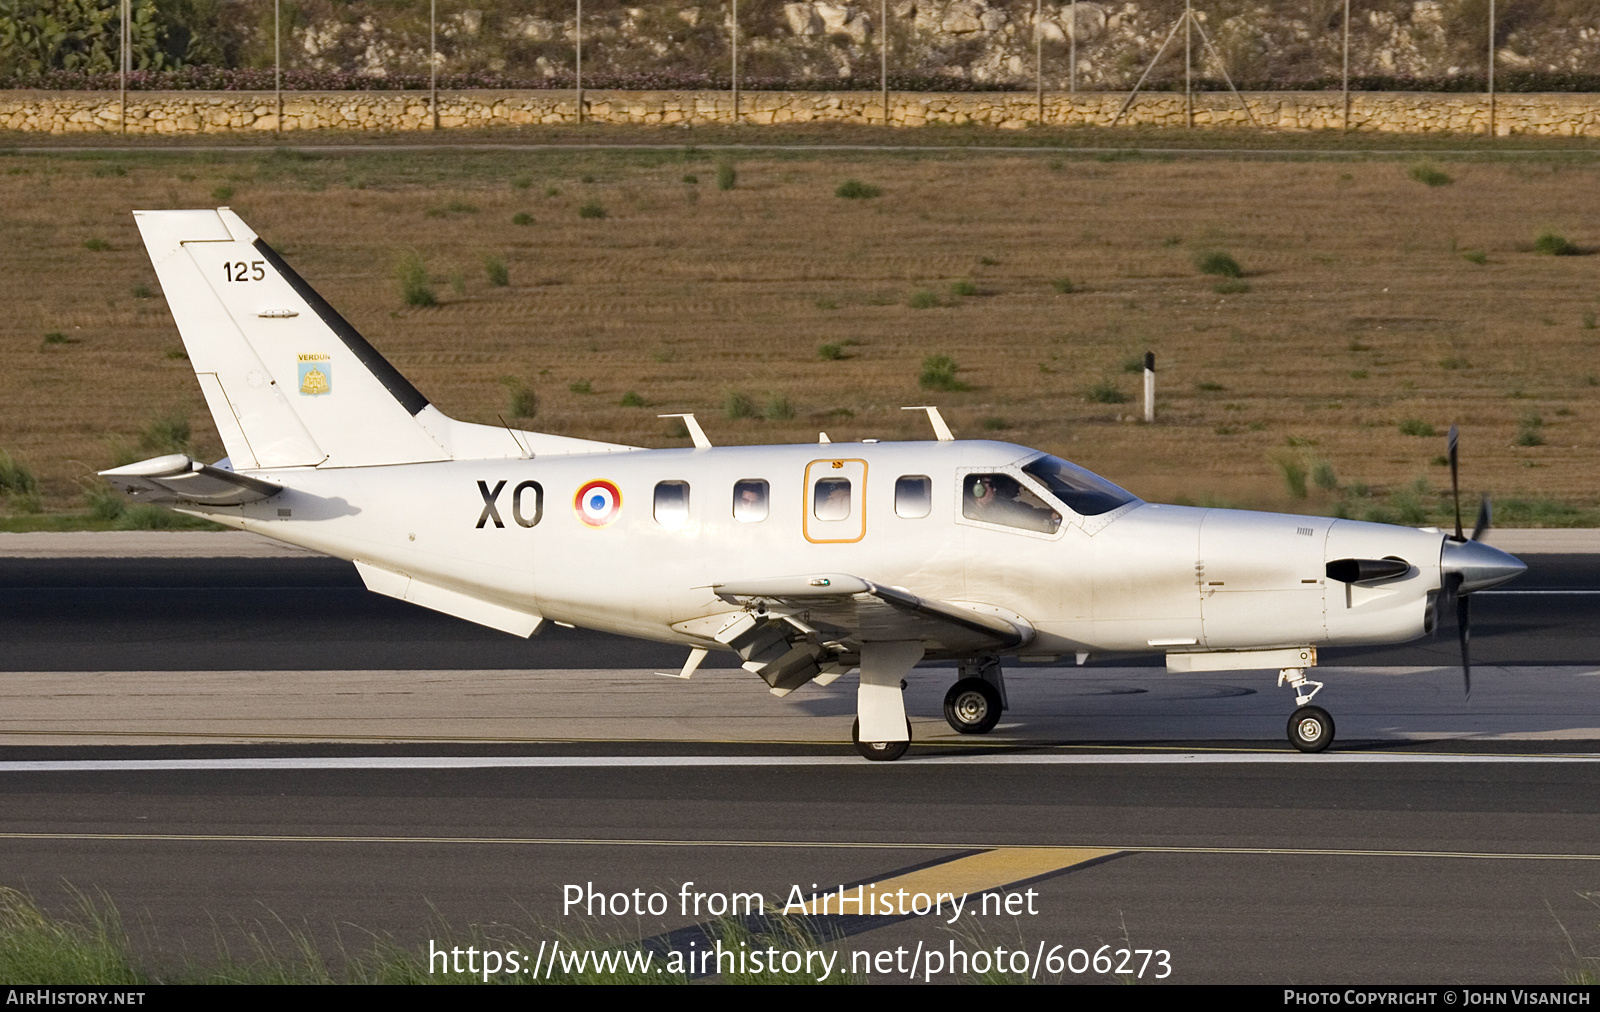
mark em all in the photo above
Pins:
pixel 1323 477
pixel 964 289
pixel 581 387
pixel 96 245
pixel 16 478
pixel 1475 256
pixel 1106 392
pixel 831 352
pixel 54 337
pixel 727 176
pixel 1416 427
pixel 167 434
pixel 1062 285
pixel 778 409
pixel 1217 263
pixel 1429 174
pixel 1294 476
pixel 737 405
pixel 522 218
pixel 939 373
pixel 105 503
pixel 631 400
pixel 413 277
pixel 524 401
pixel 222 193
pixel 495 268
pixel 923 300
pixel 141 292
pixel 1530 437
pixel 592 209
pixel 855 189
pixel 1551 245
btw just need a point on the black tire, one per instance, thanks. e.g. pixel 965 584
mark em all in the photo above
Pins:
pixel 880 751
pixel 972 706
pixel 1310 729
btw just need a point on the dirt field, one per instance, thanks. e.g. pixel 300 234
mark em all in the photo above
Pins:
pixel 1361 311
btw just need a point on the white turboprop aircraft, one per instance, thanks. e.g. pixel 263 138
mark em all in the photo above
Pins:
pixel 805 560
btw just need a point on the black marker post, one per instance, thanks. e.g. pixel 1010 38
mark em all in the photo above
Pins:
pixel 1149 387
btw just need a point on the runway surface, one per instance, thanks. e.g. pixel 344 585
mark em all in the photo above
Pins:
pixel 299 755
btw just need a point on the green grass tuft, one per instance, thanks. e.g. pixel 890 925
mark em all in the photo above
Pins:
pixel 96 245
pixel 923 300
pixel 1218 263
pixel 495 268
pixel 412 274
pixel 581 387
pixel 1475 256
pixel 963 289
pixel 831 352
pixel 631 400
pixel 524 401
pixel 169 433
pixel 1231 287
pixel 16 478
pixel 727 176
pixel 592 209
pixel 141 291
pixel 1552 245
pixel 1429 174
pixel 855 189
pixel 1105 392
pixel 522 218
pixel 778 409
pixel 737 405
pixel 1323 477
pixel 1416 427
pixel 1294 476
pixel 939 373
pixel 222 194
pixel 1062 285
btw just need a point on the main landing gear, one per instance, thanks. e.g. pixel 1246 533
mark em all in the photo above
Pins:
pixel 974 704
pixel 1310 727
pixel 881 731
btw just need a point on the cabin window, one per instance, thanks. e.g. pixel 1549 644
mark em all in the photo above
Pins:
pixel 1085 493
pixel 1002 499
pixel 672 503
pixel 830 499
pixel 913 496
pixel 750 500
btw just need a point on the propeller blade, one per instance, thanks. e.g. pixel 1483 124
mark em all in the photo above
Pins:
pixel 1464 630
pixel 1455 481
pixel 1485 514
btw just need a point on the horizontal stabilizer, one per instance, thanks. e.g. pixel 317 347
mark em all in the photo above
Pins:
pixel 177 478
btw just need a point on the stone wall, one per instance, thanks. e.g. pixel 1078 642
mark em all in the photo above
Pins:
pixel 189 112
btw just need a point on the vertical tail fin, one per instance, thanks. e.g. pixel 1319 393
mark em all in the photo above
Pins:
pixel 288 380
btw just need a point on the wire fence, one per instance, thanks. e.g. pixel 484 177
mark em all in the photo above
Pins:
pixel 1481 46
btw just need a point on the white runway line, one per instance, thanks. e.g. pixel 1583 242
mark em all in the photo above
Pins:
pixel 612 762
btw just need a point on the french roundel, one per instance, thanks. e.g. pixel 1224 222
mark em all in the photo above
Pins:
pixel 597 503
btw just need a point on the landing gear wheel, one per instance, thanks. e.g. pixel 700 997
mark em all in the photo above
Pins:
pixel 1310 729
pixel 880 751
pixel 972 706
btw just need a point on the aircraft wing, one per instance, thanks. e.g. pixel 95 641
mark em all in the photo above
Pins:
pixel 177 478
pixel 851 610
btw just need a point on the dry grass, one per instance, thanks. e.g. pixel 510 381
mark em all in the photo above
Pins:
pixel 1357 292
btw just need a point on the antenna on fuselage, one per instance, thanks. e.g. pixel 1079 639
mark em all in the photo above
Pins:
pixel 941 431
pixel 696 433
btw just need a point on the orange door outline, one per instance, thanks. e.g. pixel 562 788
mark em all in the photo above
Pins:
pixel 835 532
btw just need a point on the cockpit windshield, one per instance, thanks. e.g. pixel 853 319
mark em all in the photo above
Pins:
pixel 1085 493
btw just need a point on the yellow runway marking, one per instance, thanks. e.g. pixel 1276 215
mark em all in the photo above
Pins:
pixel 981 873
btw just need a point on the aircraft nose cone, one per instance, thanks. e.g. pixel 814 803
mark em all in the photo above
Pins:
pixel 1478 565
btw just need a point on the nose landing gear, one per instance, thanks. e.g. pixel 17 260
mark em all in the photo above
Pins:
pixel 1310 727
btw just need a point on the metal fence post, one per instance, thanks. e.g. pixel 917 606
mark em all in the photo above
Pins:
pixel 122 73
pixel 883 58
pixel 433 62
pixel 277 64
pixel 1345 80
pixel 1491 70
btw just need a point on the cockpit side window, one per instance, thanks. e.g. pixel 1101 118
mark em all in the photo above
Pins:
pixel 1002 499
pixel 1085 493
